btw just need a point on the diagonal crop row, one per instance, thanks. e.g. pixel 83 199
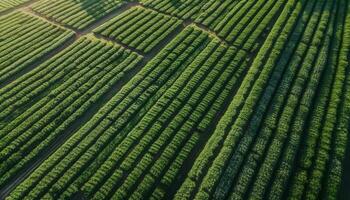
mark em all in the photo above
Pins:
pixel 187 9
pixel 68 169
pixel 24 40
pixel 139 28
pixel 7 4
pixel 225 134
pixel 76 14
pixel 68 85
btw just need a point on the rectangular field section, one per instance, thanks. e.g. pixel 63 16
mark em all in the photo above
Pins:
pixel 38 109
pixel 139 28
pixel 24 40
pixel 76 14
pixel 7 4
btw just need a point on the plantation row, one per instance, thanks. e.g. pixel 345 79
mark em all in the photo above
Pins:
pixel 40 106
pixel 236 20
pixel 171 169
pixel 93 145
pixel 254 149
pixel 213 12
pixel 330 119
pixel 257 107
pixel 139 28
pixel 105 169
pixel 186 9
pixel 227 18
pixel 7 4
pixel 76 14
pixel 24 40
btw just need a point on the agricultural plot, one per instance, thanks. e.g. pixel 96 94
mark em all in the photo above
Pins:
pixel 25 39
pixel 77 14
pixel 175 99
pixel 41 105
pixel 139 28
pixel 228 21
pixel 7 4
pixel 254 148
pixel 142 129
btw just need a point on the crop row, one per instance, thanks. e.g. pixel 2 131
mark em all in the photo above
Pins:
pixel 282 153
pixel 79 158
pixel 7 4
pixel 187 9
pixel 235 21
pixel 213 12
pixel 146 153
pixel 26 39
pixel 327 122
pixel 256 143
pixel 40 106
pixel 201 183
pixel 139 28
pixel 104 174
pixel 76 14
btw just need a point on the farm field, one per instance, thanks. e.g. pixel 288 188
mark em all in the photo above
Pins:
pixel 175 99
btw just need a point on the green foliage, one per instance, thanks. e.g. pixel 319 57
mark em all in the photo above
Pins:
pixel 139 28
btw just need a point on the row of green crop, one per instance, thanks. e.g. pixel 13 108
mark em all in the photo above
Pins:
pixel 82 155
pixel 165 127
pixel 287 116
pixel 12 21
pixel 213 12
pixel 139 28
pixel 336 165
pixel 243 15
pixel 210 104
pixel 187 9
pixel 225 17
pixel 27 39
pixel 277 104
pixel 33 84
pixel 266 130
pixel 313 164
pixel 262 134
pixel 316 57
pixel 245 139
pixel 40 123
pixel 7 4
pixel 235 22
pixel 76 14
pixel 273 124
pixel 146 140
pixel 123 191
pixel 263 18
pixel 224 133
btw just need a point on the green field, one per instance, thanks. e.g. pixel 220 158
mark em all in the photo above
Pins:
pixel 175 99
